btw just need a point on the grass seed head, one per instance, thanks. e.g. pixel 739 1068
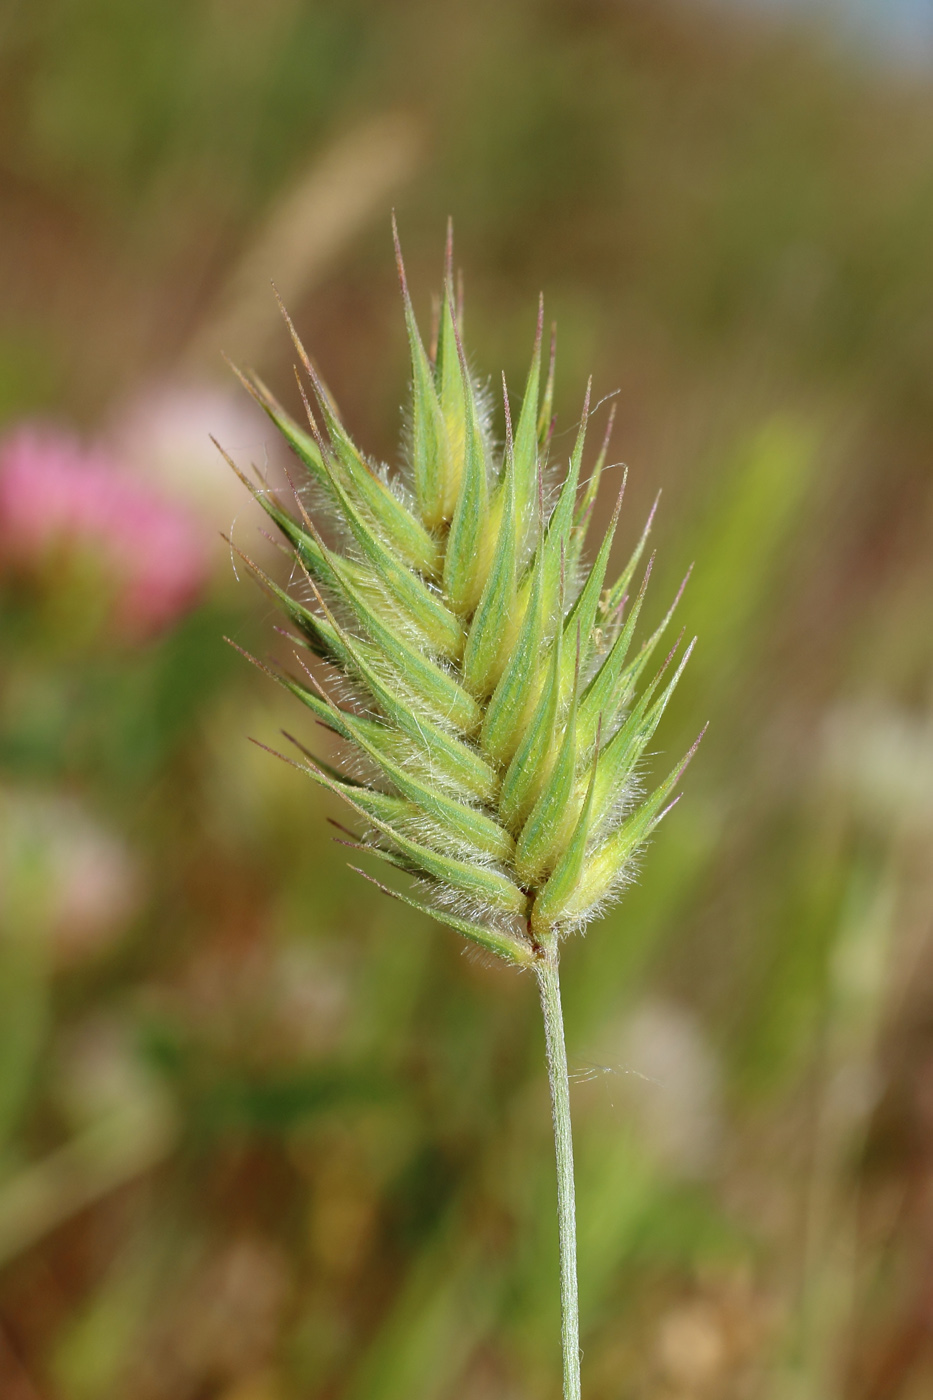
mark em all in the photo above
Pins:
pixel 502 708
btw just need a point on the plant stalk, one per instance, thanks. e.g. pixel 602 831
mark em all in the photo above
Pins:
pixel 549 987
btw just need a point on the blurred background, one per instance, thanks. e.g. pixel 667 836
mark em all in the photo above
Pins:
pixel 264 1134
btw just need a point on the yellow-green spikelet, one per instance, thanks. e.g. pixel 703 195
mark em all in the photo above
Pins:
pixel 502 714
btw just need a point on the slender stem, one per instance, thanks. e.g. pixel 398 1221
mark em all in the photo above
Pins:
pixel 549 987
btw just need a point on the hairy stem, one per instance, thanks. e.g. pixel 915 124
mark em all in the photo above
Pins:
pixel 549 987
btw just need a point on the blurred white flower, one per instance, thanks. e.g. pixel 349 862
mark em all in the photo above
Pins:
pixel 672 1083
pixel 692 1347
pixel 99 1071
pixel 63 876
pixel 311 996
pixel 882 757
pixel 164 436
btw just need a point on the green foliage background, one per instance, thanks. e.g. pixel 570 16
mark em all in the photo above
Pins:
pixel 311 1156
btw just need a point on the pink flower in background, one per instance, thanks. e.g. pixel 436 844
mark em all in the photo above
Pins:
pixel 58 496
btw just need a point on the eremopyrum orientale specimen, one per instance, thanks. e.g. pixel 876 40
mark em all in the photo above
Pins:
pixel 495 700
